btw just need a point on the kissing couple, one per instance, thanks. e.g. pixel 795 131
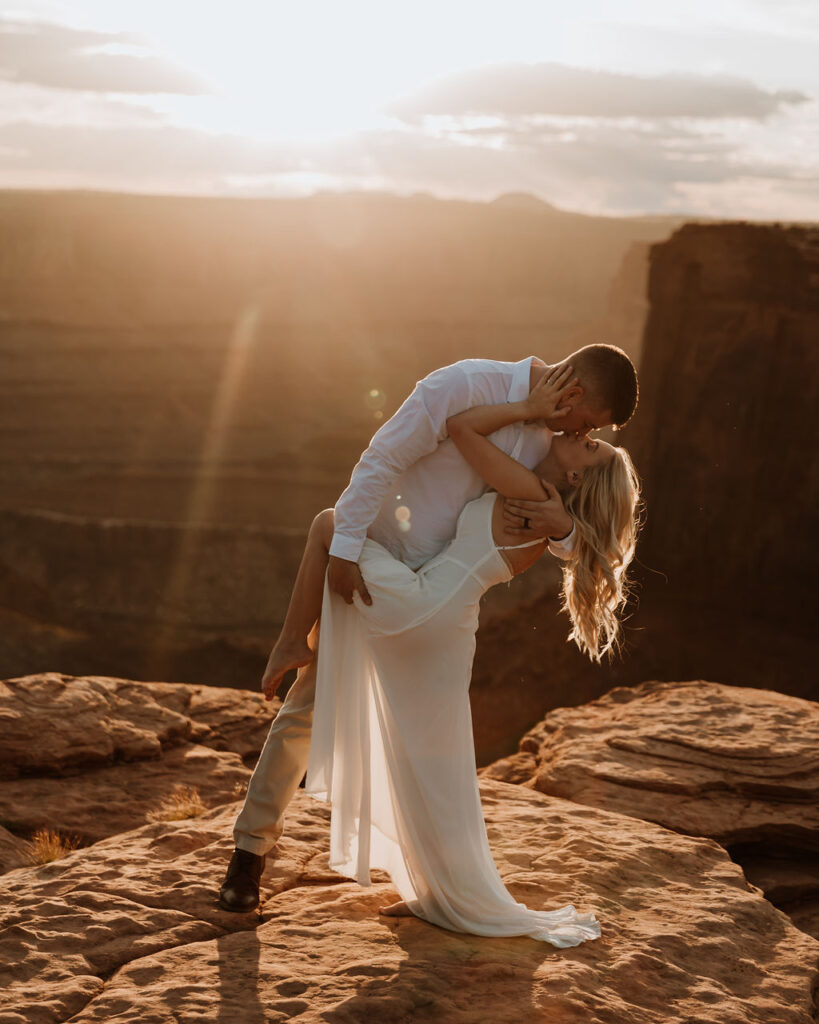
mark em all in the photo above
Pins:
pixel 484 466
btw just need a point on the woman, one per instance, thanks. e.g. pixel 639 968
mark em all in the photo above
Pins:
pixel 392 747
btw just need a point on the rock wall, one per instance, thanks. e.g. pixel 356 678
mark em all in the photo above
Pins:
pixel 204 604
pixel 723 439
pixel 725 443
pixel 623 321
pixel 178 602
pixel 82 572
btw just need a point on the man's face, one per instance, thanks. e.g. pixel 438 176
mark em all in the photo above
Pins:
pixel 582 417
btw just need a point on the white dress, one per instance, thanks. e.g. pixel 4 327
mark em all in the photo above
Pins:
pixel 392 747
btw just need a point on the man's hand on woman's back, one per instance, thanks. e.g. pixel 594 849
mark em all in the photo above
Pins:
pixel 546 518
pixel 344 577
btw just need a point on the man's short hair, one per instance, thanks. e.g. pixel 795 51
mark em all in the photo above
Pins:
pixel 609 379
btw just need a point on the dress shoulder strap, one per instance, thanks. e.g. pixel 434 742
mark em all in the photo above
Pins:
pixel 490 497
pixel 528 544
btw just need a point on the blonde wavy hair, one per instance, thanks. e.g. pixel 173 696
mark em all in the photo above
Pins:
pixel 605 508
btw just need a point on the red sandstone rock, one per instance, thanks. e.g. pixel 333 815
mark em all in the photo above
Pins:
pixel 71 923
pixel 128 930
pixel 68 747
pixel 723 438
pixel 730 763
pixel 13 851
pixel 103 801
pixel 52 722
pixel 738 765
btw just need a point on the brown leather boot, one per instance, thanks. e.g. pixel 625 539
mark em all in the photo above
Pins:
pixel 240 889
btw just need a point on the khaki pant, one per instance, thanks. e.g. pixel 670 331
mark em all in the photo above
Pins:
pixel 280 768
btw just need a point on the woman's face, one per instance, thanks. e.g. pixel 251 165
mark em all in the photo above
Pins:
pixel 572 455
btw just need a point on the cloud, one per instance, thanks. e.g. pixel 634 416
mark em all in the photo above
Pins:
pixel 520 90
pixel 596 165
pixel 59 57
pixel 37 104
pixel 148 153
pixel 609 162
pixel 776 57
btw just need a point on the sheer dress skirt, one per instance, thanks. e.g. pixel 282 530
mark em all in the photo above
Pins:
pixel 392 748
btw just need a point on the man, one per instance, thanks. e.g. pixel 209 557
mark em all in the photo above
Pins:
pixel 407 492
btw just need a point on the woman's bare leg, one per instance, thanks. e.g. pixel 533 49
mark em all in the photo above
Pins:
pixel 292 649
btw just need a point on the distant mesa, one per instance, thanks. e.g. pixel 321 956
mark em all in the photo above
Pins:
pixel 367 194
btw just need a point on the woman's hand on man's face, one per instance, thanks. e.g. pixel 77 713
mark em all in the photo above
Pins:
pixel 546 395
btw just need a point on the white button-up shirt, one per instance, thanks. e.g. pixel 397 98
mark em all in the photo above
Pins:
pixel 411 484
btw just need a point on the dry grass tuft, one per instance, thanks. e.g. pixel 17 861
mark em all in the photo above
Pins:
pixel 47 845
pixel 184 802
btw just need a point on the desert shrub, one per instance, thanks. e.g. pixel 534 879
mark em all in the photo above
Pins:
pixel 47 844
pixel 183 802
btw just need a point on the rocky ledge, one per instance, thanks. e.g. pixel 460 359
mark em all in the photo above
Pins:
pixel 734 764
pixel 127 927
pixel 91 756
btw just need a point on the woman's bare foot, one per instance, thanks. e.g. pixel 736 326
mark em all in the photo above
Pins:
pixel 399 909
pixel 283 657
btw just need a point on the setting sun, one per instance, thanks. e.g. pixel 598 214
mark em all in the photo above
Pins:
pixel 588 109
pixel 311 72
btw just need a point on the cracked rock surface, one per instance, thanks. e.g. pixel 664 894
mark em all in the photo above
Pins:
pixel 129 930
pixel 734 764
pixel 70 924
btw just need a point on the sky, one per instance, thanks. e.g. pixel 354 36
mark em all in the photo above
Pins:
pixel 604 107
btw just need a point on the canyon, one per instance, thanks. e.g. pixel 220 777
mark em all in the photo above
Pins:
pixel 162 455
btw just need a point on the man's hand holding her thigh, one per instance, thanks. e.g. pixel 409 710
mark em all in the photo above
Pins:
pixel 344 577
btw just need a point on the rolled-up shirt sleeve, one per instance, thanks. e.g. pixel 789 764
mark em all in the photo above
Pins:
pixel 564 547
pixel 414 430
